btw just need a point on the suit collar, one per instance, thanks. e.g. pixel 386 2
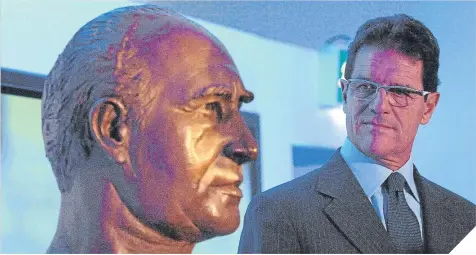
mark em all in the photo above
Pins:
pixel 370 173
pixel 350 209
pixel 353 214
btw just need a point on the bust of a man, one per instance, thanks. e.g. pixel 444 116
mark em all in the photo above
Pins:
pixel 142 127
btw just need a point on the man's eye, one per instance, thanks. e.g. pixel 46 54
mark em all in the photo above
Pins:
pixel 364 87
pixel 216 108
pixel 400 91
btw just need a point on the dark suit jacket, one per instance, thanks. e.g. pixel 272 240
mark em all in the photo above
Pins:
pixel 326 211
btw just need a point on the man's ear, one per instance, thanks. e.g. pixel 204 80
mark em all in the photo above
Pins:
pixel 430 106
pixel 344 88
pixel 107 120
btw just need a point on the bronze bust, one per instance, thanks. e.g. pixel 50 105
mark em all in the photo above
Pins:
pixel 142 127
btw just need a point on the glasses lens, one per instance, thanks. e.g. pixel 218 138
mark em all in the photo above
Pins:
pixel 362 89
pixel 401 96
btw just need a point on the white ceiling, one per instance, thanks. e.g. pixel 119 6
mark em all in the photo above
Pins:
pixel 306 23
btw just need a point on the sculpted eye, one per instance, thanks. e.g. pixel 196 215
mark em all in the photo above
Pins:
pixel 216 108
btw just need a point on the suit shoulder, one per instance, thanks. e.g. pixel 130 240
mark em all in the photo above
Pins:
pixel 286 201
pixel 462 208
pixel 450 195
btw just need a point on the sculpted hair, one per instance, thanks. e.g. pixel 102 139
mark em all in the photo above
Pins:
pixel 404 34
pixel 98 62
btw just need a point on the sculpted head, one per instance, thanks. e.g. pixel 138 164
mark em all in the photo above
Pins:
pixel 150 101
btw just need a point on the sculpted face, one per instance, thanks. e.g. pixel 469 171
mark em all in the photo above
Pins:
pixel 378 128
pixel 187 151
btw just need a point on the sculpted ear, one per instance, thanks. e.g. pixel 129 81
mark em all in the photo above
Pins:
pixel 107 118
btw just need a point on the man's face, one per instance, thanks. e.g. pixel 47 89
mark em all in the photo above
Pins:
pixel 377 127
pixel 188 150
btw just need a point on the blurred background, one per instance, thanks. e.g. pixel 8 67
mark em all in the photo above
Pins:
pixel 290 54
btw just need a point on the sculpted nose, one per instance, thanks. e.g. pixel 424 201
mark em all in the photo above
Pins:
pixel 243 148
pixel 241 154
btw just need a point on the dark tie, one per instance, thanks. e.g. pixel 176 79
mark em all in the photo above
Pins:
pixel 402 224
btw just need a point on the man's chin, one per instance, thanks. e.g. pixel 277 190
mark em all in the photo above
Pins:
pixel 376 147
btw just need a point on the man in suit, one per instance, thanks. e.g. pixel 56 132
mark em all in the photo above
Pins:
pixel 142 127
pixel 369 197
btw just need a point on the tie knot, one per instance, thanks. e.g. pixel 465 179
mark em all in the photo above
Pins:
pixel 396 182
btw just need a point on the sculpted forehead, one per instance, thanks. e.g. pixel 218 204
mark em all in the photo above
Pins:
pixel 169 36
pixel 169 53
pixel 188 49
pixel 172 48
pixel 185 58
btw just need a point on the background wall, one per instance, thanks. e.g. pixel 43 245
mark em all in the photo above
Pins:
pixel 276 48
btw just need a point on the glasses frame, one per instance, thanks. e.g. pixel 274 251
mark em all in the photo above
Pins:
pixel 422 93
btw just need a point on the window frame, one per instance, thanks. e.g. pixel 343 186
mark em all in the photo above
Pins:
pixel 21 83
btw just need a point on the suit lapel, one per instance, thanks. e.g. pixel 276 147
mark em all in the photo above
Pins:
pixel 350 209
pixel 437 216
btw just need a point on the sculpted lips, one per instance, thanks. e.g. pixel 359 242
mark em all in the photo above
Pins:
pixel 231 190
pixel 229 184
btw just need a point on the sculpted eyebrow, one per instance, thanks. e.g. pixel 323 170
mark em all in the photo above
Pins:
pixel 215 90
pixel 223 91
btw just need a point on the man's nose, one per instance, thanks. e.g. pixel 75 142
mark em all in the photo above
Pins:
pixel 243 147
pixel 380 103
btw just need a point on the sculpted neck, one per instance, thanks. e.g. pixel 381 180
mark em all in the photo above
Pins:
pixel 95 220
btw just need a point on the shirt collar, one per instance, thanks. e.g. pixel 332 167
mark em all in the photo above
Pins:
pixel 370 174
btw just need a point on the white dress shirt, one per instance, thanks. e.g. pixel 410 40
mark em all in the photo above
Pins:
pixel 371 175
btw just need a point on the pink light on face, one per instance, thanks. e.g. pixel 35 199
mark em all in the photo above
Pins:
pixel 382 69
pixel 384 65
pixel 377 127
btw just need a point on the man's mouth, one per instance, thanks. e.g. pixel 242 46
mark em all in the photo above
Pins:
pixel 380 125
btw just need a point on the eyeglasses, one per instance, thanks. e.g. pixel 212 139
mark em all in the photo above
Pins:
pixel 398 95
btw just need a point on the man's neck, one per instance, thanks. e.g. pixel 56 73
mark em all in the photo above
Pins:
pixel 392 161
pixel 103 224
